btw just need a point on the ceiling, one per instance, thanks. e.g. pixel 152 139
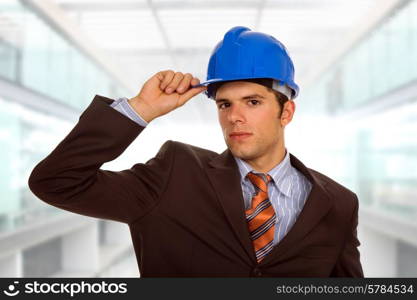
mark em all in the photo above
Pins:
pixel 144 37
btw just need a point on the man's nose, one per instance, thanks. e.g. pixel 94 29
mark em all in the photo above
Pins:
pixel 236 114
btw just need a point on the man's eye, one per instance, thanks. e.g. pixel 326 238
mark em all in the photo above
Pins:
pixel 254 102
pixel 222 105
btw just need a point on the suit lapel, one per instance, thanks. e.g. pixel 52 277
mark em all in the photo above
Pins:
pixel 224 175
pixel 225 178
pixel 317 204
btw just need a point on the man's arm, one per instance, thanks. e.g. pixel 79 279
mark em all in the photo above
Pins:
pixel 348 264
pixel 70 177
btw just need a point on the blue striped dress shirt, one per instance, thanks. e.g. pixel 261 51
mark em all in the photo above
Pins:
pixel 122 105
pixel 287 191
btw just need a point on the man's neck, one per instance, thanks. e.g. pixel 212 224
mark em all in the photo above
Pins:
pixel 266 163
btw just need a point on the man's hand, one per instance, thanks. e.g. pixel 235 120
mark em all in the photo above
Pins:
pixel 164 92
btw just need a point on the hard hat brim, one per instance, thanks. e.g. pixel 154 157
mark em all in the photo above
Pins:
pixel 207 82
pixel 293 87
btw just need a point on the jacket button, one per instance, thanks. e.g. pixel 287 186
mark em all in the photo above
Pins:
pixel 257 272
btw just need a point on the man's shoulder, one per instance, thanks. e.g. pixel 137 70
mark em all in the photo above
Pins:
pixel 334 188
pixel 346 202
pixel 184 149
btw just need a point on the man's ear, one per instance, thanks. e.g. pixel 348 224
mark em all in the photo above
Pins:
pixel 287 113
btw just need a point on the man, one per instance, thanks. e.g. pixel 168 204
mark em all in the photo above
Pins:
pixel 253 210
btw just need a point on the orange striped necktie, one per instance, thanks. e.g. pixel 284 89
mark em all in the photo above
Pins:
pixel 261 216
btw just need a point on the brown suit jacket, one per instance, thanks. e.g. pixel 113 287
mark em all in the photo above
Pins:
pixel 185 208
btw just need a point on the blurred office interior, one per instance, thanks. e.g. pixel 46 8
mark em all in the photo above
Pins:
pixel 355 120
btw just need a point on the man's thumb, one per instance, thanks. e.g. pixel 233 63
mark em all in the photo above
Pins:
pixel 191 93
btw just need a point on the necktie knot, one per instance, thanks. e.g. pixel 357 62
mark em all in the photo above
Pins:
pixel 259 180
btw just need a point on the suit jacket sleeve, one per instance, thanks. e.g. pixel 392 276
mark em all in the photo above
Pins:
pixel 70 177
pixel 348 264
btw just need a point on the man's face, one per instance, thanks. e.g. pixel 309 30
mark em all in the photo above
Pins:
pixel 249 116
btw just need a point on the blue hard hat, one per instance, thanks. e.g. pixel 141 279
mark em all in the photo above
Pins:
pixel 247 54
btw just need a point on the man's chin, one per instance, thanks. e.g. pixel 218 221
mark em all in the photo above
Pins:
pixel 241 152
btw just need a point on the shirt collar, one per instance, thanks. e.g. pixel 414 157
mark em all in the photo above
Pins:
pixel 278 173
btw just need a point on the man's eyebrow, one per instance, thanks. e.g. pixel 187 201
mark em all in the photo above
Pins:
pixel 243 98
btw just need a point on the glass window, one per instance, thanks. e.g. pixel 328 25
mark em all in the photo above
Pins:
pixel 35 63
pixel 51 65
pixel 413 39
pixel 8 60
pixel 58 59
pixel 9 162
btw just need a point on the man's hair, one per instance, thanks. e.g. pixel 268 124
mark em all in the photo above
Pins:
pixel 281 98
pixel 267 82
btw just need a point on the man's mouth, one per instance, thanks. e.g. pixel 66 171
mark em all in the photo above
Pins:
pixel 239 135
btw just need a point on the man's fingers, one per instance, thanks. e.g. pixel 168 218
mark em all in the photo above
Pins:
pixel 171 81
pixel 155 99
pixel 195 81
pixel 165 77
pixel 185 83
pixel 191 93
pixel 174 83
